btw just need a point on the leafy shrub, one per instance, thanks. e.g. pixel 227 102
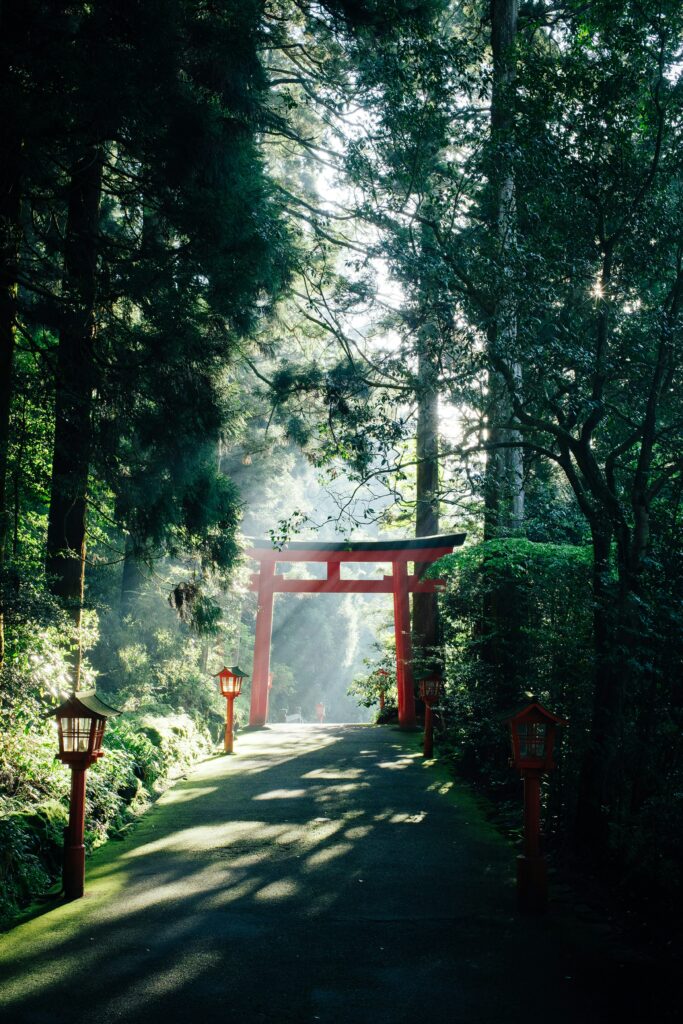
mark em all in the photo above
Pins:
pixel 176 738
pixel 30 854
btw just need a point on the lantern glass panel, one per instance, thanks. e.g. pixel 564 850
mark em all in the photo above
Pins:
pixel 430 689
pixel 532 740
pixel 99 734
pixel 231 686
pixel 76 735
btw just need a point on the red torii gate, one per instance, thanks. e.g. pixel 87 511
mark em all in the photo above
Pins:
pixel 267 583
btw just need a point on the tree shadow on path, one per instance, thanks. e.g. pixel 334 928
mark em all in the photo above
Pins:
pixel 320 875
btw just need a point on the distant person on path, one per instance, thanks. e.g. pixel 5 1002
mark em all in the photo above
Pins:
pixel 320 712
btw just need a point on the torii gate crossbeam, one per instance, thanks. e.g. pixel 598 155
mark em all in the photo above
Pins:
pixel 400 583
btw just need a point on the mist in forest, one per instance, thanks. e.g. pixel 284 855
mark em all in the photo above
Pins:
pixel 320 643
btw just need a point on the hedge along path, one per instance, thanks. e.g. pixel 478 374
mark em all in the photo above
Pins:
pixel 322 874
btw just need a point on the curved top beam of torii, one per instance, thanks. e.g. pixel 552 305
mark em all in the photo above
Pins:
pixel 421 550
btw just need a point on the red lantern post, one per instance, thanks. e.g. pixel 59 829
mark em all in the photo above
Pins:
pixel 230 684
pixel 533 732
pixel 80 725
pixel 430 691
pixel 382 690
pixel 268 689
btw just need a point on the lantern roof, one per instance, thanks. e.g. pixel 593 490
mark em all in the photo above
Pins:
pixel 538 709
pixel 234 670
pixel 88 701
pixel 427 673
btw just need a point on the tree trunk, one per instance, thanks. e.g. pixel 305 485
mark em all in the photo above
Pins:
pixel 425 606
pixel 594 797
pixel 504 477
pixel 11 27
pixel 10 231
pixel 504 480
pixel 204 651
pixel 75 378
pixel 132 580
pixel 608 781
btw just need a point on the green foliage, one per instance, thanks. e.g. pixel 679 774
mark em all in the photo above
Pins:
pixel 29 858
pixel 34 790
pixel 131 735
pixel 367 688
pixel 153 662
pixel 543 639
pixel 145 748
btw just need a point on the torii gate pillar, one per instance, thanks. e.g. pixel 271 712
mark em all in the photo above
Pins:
pixel 264 627
pixel 404 652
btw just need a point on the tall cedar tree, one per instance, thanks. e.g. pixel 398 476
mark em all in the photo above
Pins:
pixel 158 119
pixel 31 80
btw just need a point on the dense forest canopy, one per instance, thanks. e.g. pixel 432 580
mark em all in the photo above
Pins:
pixel 277 266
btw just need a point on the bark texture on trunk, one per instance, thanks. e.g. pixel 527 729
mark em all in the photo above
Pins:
pixel 504 481
pixel 593 796
pixel 75 379
pixel 620 631
pixel 132 580
pixel 425 606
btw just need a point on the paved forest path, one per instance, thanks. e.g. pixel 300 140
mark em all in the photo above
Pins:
pixel 323 874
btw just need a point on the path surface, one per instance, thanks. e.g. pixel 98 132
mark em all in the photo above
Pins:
pixel 323 874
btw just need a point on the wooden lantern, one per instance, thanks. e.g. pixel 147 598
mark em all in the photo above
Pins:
pixel 230 681
pixel 533 732
pixel 430 689
pixel 80 725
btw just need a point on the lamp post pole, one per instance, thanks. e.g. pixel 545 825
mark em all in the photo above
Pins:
pixel 532 876
pixel 73 869
pixel 270 687
pixel 229 723
pixel 430 691
pixel 428 744
pixel 383 674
